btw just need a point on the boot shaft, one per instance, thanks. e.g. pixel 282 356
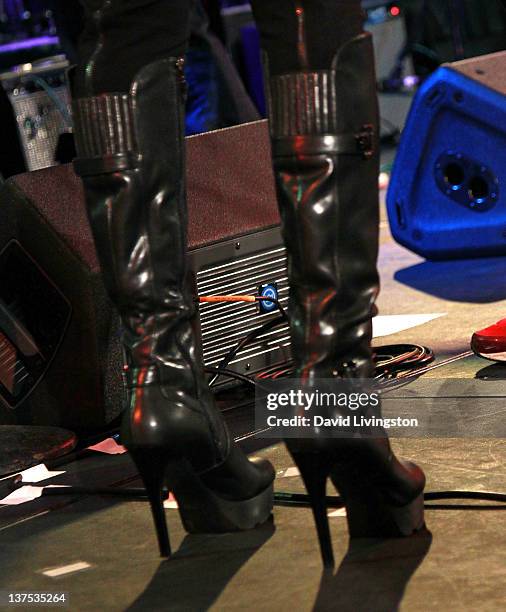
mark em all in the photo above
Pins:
pixel 131 157
pixel 324 129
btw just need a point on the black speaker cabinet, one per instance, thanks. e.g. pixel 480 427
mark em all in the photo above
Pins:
pixel 60 354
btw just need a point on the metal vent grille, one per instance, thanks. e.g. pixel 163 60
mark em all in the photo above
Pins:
pixel 12 371
pixel 40 124
pixel 224 325
pixel 40 99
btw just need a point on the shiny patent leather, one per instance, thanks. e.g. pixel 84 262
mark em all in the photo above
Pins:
pixel 131 160
pixel 327 185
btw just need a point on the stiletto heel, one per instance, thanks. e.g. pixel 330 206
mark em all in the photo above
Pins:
pixel 313 468
pixel 370 507
pixel 202 510
pixel 151 464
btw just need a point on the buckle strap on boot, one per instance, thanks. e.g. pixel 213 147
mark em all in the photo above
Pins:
pixel 303 117
pixel 361 143
pixel 105 134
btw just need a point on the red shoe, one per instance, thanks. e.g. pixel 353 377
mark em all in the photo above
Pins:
pixel 490 342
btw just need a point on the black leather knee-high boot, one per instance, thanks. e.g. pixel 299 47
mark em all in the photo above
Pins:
pixel 131 160
pixel 324 128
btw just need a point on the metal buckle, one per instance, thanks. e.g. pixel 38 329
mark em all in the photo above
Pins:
pixel 365 141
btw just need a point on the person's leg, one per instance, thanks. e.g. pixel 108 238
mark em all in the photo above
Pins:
pixel 321 91
pixel 121 37
pixel 129 125
pixel 322 26
pixel 232 104
pixel 321 81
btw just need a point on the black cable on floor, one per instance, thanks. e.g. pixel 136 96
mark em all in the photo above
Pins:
pixel 286 498
pixel 281 498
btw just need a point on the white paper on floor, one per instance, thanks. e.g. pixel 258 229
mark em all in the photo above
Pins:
pixel 22 495
pixel 386 325
pixel 337 513
pixel 56 572
pixel 291 471
pixel 170 503
pixel 38 473
pixel 109 446
pixel 25 494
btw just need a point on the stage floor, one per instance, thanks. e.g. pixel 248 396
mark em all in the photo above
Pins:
pixel 459 563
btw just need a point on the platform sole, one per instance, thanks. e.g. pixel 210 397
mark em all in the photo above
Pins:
pixel 369 512
pixel 201 509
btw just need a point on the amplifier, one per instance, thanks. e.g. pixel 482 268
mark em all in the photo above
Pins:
pixel 235 244
pixel 247 264
pixel 40 99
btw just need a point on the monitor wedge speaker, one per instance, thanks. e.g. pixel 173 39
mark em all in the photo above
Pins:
pixel 447 195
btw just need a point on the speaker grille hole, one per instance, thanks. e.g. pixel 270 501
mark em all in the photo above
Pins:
pixel 454 175
pixel 466 181
pixel 478 188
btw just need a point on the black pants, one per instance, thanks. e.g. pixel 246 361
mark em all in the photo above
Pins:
pixel 137 32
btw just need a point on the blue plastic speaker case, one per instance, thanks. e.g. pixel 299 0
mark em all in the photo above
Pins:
pixel 447 195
